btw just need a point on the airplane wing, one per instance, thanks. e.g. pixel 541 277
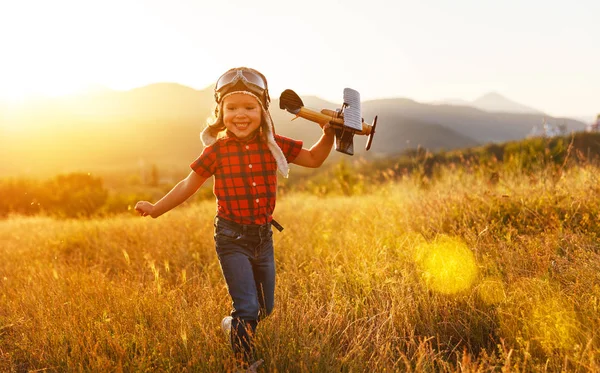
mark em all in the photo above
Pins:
pixel 352 113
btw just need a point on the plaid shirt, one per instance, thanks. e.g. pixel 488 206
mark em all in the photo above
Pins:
pixel 245 176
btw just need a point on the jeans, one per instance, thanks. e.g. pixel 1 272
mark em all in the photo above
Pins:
pixel 248 265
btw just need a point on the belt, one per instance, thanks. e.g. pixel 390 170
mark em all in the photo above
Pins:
pixel 247 228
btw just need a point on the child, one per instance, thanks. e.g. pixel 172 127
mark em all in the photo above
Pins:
pixel 243 153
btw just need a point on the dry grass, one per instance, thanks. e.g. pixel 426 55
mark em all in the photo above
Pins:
pixel 449 275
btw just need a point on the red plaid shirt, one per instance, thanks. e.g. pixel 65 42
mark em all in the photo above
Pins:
pixel 245 176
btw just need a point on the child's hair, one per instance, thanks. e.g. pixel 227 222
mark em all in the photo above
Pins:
pixel 215 123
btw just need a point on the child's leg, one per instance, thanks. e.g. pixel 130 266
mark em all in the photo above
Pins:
pixel 242 335
pixel 239 276
pixel 235 253
pixel 264 275
pixel 248 265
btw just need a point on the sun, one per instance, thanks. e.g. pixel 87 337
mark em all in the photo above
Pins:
pixel 19 90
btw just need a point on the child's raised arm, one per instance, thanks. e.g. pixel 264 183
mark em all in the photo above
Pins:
pixel 180 192
pixel 316 155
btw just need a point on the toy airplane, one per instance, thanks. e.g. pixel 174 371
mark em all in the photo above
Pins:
pixel 346 121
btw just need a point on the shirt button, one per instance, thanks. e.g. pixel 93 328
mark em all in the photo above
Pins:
pixel 247 146
pixel 250 166
pixel 253 183
pixel 257 200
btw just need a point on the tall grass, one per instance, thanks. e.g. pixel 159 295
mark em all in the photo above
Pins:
pixel 456 273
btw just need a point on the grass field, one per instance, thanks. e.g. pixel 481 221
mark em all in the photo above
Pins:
pixel 461 273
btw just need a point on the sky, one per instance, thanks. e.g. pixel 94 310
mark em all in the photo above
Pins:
pixel 543 54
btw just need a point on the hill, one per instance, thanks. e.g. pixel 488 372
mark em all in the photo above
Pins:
pixel 160 123
pixel 481 126
pixel 493 102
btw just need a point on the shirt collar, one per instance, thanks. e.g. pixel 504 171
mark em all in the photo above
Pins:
pixel 229 136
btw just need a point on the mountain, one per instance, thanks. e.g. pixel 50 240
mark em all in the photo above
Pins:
pixel 160 123
pixel 493 102
pixel 586 118
pixel 453 102
pixel 481 126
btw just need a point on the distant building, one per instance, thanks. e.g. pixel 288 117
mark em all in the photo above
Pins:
pixel 595 126
pixel 546 129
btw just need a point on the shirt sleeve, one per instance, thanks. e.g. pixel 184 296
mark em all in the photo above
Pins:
pixel 206 164
pixel 290 147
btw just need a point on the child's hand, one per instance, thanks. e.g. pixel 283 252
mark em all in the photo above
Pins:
pixel 144 208
pixel 328 130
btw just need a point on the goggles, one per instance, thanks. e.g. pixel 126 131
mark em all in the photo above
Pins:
pixel 252 81
pixel 247 76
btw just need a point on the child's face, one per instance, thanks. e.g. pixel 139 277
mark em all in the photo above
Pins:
pixel 242 114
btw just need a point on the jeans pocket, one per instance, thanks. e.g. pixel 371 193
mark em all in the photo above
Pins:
pixel 226 235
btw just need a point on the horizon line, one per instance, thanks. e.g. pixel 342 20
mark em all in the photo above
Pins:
pixel 93 88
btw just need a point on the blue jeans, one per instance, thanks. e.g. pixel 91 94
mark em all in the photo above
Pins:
pixel 248 265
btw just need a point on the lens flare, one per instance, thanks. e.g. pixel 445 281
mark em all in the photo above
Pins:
pixel 554 324
pixel 448 265
pixel 536 311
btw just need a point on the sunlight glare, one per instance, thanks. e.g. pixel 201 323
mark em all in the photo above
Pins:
pixel 448 265
pixel 535 310
pixel 554 324
pixel 17 91
pixel 43 53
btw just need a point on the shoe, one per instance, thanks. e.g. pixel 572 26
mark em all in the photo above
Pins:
pixel 226 325
pixel 252 368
